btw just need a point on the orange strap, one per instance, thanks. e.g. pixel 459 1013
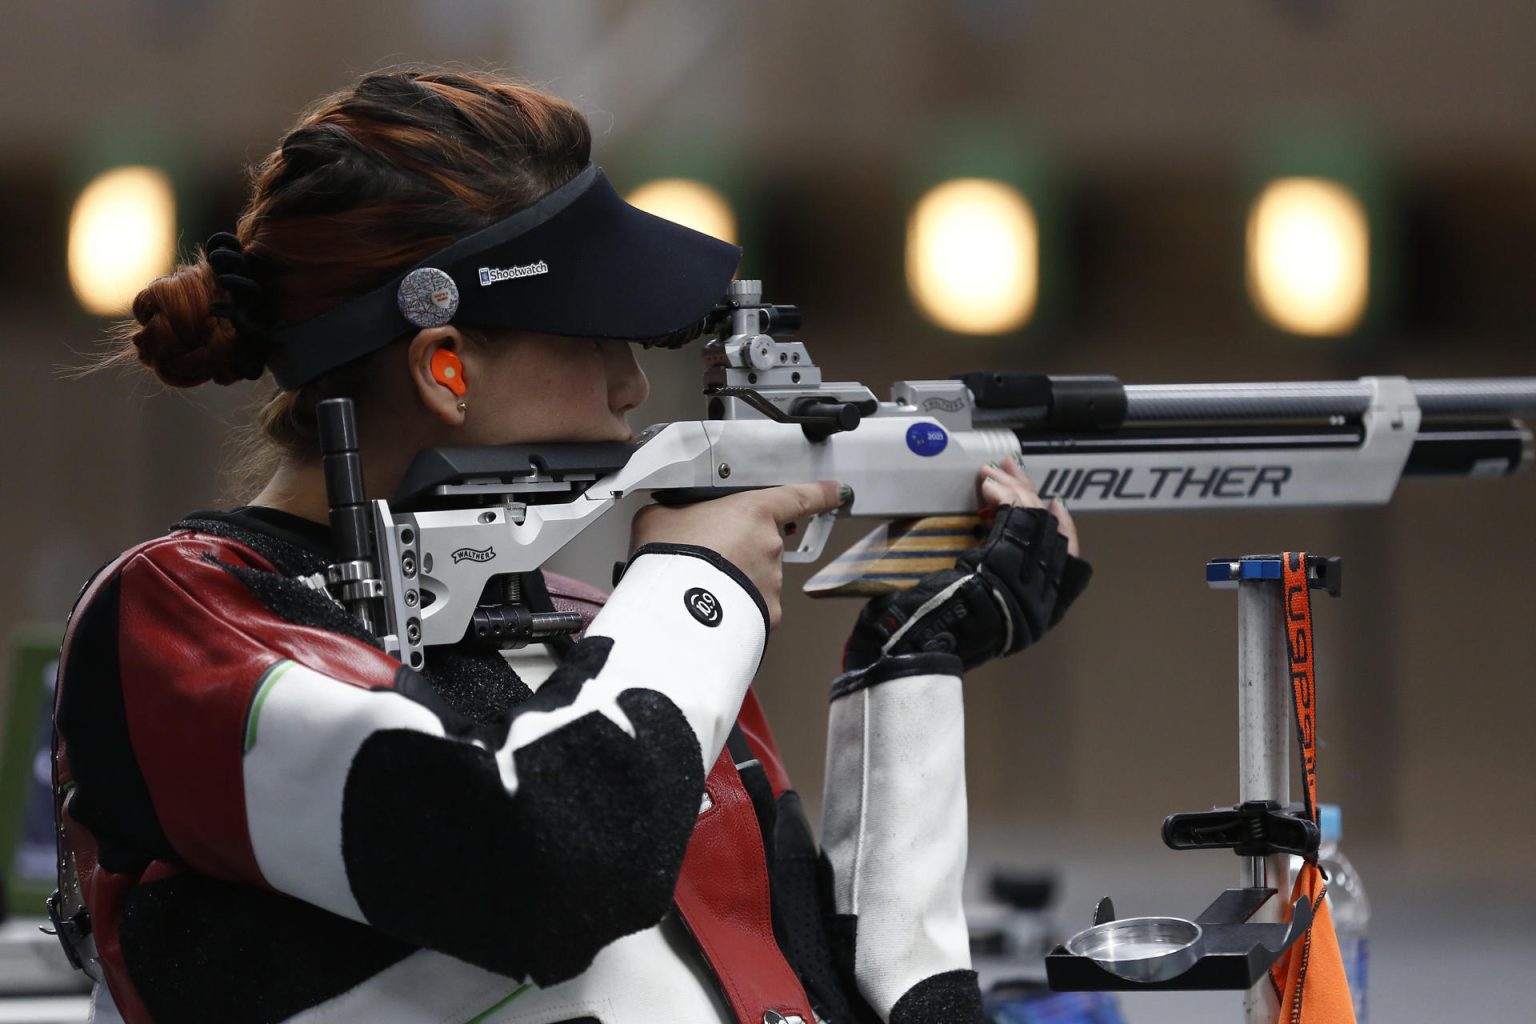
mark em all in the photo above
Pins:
pixel 1309 980
pixel 1298 650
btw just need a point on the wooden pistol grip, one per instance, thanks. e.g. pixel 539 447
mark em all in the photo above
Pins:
pixel 894 556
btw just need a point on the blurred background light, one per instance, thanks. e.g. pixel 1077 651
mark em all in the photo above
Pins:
pixel 122 234
pixel 1309 249
pixel 973 256
pixel 690 203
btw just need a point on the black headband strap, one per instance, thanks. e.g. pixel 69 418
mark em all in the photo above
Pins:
pixel 305 350
pixel 579 263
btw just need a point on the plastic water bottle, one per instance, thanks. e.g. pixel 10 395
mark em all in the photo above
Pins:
pixel 1346 899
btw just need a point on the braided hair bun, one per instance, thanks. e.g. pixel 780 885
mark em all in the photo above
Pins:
pixel 371 180
pixel 181 330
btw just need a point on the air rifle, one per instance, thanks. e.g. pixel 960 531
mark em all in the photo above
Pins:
pixel 444 560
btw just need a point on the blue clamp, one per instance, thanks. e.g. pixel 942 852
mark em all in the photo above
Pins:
pixel 1323 573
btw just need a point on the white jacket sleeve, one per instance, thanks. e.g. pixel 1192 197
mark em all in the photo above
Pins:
pixel 894 832
pixel 381 804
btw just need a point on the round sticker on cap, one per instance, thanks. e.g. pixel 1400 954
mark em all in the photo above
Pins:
pixel 428 297
pixel 926 438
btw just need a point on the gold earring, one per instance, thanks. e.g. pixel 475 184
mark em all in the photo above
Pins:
pixel 462 406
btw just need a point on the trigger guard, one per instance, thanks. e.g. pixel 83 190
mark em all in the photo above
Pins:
pixel 814 540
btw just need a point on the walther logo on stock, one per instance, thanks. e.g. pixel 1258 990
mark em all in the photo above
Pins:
pixel 490 275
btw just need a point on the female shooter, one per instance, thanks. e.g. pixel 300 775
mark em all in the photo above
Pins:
pixel 265 818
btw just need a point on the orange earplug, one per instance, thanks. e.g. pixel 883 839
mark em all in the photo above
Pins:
pixel 448 371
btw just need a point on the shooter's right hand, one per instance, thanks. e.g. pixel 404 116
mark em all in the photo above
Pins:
pixel 746 529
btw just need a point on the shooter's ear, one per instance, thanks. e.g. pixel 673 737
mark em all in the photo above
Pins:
pixel 438 373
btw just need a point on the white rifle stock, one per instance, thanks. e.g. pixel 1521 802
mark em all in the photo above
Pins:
pixel 449 551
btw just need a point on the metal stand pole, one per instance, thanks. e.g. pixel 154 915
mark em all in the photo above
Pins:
pixel 1263 749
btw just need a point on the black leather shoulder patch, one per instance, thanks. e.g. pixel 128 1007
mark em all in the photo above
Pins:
pixel 587 850
pixel 201 950
pixel 953 997
pixel 298 603
pixel 288 555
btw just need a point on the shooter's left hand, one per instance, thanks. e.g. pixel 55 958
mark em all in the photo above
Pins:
pixel 999 598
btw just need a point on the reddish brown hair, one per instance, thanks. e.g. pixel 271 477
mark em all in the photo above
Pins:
pixel 371 180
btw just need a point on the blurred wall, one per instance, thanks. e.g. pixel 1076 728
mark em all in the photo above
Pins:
pixel 1126 713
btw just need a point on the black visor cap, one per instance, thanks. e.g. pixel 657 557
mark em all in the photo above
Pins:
pixel 580 262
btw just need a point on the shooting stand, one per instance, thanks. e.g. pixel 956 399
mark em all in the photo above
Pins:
pixel 1241 935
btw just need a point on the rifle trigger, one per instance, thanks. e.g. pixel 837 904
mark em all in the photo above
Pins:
pixel 814 540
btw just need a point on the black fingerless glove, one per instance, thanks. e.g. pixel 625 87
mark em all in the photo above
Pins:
pixel 1000 598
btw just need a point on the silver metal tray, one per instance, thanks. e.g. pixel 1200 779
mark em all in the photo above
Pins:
pixel 1144 949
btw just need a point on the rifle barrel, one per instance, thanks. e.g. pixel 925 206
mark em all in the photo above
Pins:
pixel 1495 396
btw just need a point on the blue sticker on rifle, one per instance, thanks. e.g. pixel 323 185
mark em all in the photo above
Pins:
pixel 926 438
